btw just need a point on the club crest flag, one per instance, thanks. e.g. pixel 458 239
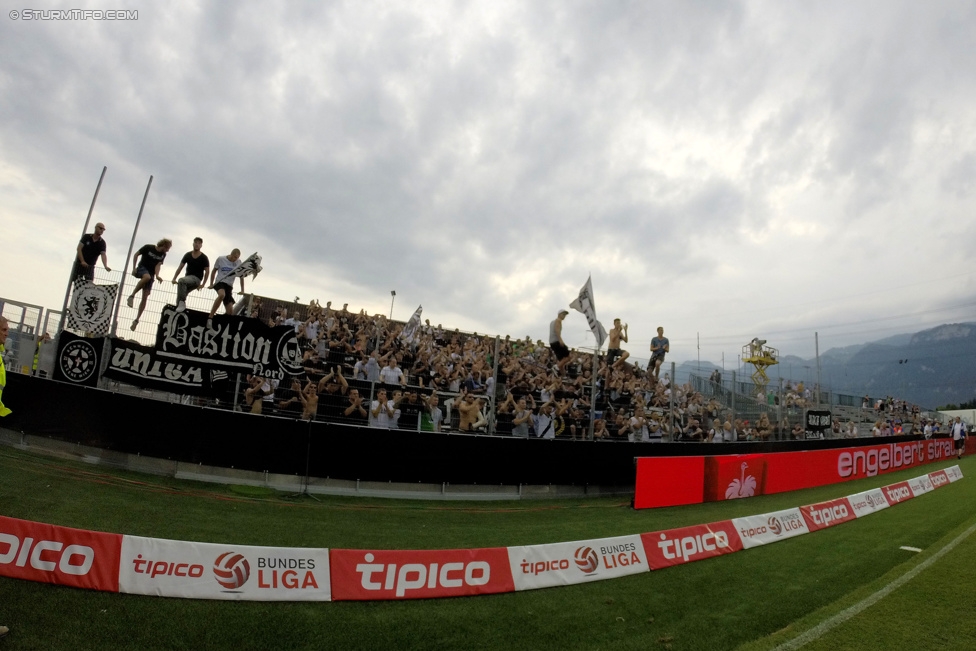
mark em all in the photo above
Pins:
pixel 91 306
pixel 410 329
pixel 250 266
pixel 584 303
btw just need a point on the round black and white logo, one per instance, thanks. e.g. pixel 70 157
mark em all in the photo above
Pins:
pixel 290 354
pixel 79 361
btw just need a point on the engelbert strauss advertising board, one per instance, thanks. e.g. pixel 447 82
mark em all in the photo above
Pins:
pixel 734 476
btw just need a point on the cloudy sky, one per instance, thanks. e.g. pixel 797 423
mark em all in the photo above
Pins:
pixel 723 169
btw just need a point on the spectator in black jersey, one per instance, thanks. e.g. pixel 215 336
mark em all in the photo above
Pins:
pixel 197 268
pixel 148 261
pixel 355 413
pixel 410 407
pixel 332 390
pixel 90 248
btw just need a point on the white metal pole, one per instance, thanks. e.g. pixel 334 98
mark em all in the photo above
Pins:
pixel 125 268
pixel 84 229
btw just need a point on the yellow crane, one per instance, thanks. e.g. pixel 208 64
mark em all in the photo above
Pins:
pixel 761 356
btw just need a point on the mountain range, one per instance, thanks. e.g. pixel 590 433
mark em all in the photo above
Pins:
pixel 931 368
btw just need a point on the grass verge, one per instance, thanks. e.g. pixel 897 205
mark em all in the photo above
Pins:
pixel 716 604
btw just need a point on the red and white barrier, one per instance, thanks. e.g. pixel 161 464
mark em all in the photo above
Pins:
pixel 171 568
pixel 174 568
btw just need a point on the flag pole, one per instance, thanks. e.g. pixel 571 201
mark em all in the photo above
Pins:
pixel 84 229
pixel 125 268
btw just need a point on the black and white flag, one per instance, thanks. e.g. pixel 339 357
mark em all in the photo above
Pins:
pixel 250 266
pixel 91 305
pixel 410 329
pixel 584 303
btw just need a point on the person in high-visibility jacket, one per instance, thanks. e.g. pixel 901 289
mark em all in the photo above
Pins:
pixel 4 327
pixel 37 351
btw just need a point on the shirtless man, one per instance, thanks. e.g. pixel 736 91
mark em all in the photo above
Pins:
pixel 470 411
pixel 659 346
pixel 556 343
pixel 617 334
pixel 310 401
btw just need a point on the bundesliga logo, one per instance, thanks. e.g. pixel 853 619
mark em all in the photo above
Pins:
pixel 231 570
pixel 586 559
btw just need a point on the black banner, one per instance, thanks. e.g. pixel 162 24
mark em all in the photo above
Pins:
pixel 78 359
pixel 141 366
pixel 234 344
pixel 818 420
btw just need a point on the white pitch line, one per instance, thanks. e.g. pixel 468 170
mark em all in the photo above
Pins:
pixel 910 549
pixel 841 617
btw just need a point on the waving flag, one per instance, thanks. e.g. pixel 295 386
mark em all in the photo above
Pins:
pixel 410 329
pixel 584 303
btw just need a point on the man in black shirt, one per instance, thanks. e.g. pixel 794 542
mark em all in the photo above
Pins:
pixel 197 268
pixel 90 248
pixel 148 261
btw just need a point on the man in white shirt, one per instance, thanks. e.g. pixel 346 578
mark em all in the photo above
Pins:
pixel 392 374
pixel 959 436
pixel 381 411
pixel 222 281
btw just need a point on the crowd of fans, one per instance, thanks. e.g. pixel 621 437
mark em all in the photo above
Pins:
pixel 359 370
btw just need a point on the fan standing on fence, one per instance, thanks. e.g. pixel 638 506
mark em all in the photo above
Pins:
pixel 222 276
pixel 197 269
pixel 148 262
pixel 91 247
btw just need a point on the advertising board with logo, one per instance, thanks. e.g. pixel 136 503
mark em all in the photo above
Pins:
pixel 868 502
pixel 174 568
pixel 149 566
pixel 366 575
pixel 827 514
pixel 777 472
pixel 921 485
pixel 756 530
pixel 896 493
pixel 688 544
pixel 731 477
pixel 33 551
pixel 545 566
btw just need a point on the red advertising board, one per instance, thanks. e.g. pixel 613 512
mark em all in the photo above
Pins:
pixel 896 493
pixel 828 514
pixel 44 552
pixel 734 476
pixel 939 478
pixel 726 477
pixel 360 575
pixel 669 481
pixel 688 544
